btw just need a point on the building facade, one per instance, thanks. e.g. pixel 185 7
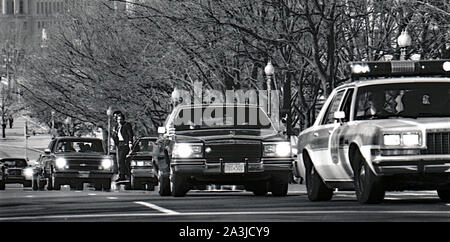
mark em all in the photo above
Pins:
pixel 22 21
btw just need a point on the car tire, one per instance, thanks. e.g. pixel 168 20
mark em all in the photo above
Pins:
pixel 136 184
pixel 98 186
pixel 368 187
pixel 35 183
pixel 27 183
pixel 178 184
pixel 444 194
pixel 56 185
pixel 150 187
pixel 316 188
pixel 279 184
pixel 107 185
pixel 260 189
pixel 164 183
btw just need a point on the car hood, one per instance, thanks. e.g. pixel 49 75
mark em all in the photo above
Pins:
pixel 221 134
pixel 409 123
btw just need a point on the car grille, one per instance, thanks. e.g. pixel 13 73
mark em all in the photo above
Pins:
pixel 84 164
pixel 437 143
pixel 14 172
pixel 233 150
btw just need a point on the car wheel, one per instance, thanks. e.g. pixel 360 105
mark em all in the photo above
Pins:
pixel 164 183
pixel 150 187
pixel 106 185
pixel 279 184
pixel 368 187
pixel 315 187
pixel 35 183
pixel 444 194
pixel 27 184
pixel 135 183
pixel 98 186
pixel 178 184
pixel 56 185
pixel 41 182
pixel 259 189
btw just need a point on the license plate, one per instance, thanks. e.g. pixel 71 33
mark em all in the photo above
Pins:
pixel 234 168
pixel 83 174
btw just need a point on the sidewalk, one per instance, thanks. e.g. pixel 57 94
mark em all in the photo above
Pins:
pixel 14 143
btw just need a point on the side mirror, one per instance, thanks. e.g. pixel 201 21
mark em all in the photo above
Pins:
pixel 161 130
pixel 339 115
pixel 47 151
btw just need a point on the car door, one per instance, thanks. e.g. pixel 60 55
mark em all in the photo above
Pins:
pixel 339 142
pixel 320 140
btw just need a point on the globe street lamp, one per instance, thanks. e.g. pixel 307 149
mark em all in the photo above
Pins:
pixel 404 41
pixel 269 71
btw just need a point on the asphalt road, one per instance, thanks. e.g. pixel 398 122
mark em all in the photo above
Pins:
pixel 23 204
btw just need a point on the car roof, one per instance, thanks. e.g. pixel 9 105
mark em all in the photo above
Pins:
pixel 149 137
pixel 394 80
pixel 12 158
pixel 76 138
pixel 216 105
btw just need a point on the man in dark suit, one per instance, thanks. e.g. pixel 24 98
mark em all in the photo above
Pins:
pixel 123 139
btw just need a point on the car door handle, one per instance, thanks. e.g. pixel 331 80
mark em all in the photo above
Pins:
pixel 316 134
pixel 330 131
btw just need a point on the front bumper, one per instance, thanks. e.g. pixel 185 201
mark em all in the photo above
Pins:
pixel 16 179
pixel 387 165
pixel 71 174
pixel 202 167
pixel 143 172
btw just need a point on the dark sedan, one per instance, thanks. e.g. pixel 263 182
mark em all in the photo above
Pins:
pixel 140 161
pixel 74 161
pixel 15 170
pixel 222 144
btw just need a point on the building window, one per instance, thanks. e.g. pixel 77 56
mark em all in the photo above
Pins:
pixel 37 8
pixel 21 7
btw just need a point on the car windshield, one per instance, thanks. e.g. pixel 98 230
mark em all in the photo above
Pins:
pixel 144 145
pixel 80 146
pixel 407 100
pixel 14 162
pixel 240 117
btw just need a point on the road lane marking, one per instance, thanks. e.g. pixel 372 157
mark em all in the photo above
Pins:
pixel 156 207
pixel 320 212
pixel 112 198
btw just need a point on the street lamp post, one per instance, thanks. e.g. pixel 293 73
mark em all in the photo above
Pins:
pixel 269 71
pixel 108 143
pixel 404 41
pixel 53 124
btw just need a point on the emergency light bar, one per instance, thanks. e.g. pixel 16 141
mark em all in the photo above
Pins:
pixel 400 68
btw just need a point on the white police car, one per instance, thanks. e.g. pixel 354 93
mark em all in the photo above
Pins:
pixel 387 130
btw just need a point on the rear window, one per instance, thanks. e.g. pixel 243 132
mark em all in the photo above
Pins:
pixel 14 162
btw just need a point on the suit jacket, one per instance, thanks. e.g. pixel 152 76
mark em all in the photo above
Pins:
pixel 126 131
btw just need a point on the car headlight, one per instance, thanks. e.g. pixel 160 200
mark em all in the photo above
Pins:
pixel 60 163
pixel 406 139
pixel 411 139
pixel 187 150
pixel 277 149
pixel 141 163
pixel 107 163
pixel 28 172
pixel 391 139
